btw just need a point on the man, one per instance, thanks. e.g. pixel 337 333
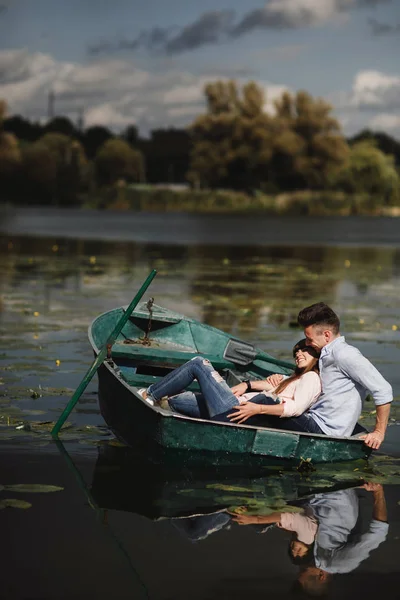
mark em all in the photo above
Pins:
pixel 346 377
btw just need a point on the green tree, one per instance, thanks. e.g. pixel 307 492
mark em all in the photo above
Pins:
pixel 384 142
pixel 61 125
pixel 93 138
pixel 371 171
pixel 309 149
pixel 10 157
pixel 236 144
pixel 166 155
pixel 232 142
pixel 39 169
pixel 116 160
pixel 71 166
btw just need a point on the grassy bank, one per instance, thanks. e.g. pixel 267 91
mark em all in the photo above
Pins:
pixel 307 202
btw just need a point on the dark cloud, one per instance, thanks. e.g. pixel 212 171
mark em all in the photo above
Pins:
pixel 378 28
pixel 152 40
pixel 209 28
pixel 215 26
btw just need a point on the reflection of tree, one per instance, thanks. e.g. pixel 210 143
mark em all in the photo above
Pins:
pixel 237 294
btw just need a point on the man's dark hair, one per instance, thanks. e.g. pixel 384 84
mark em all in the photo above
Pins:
pixel 319 314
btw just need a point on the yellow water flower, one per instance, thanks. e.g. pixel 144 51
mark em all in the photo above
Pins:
pixel 394 327
pixel 361 321
pixel 58 362
pixel 54 248
pixel 92 260
pixel 36 313
pixel 347 263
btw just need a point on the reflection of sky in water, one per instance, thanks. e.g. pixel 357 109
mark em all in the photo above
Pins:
pixel 253 293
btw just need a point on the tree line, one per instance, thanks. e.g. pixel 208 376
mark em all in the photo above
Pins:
pixel 235 145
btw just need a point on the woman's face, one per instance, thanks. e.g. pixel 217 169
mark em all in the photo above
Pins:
pixel 303 358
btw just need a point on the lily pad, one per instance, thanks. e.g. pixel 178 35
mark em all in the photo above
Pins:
pixel 14 503
pixel 33 488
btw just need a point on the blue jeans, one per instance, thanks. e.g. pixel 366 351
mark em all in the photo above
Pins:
pixel 216 396
pixel 216 399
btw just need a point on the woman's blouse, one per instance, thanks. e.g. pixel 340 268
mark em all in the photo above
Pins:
pixel 297 397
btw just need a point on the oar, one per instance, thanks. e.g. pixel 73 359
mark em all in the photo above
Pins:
pixel 242 353
pixel 101 355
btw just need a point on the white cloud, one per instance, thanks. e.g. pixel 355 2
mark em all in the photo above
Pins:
pixel 386 121
pixel 389 123
pixel 372 102
pixel 104 114
pixel 111 92
pixel 375 89
pixel 116 93
pixel 312 12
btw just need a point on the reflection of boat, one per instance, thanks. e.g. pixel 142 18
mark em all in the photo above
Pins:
pixel 136 361
pixel 127 481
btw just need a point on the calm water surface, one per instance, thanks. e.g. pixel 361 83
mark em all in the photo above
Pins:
pixel 123 527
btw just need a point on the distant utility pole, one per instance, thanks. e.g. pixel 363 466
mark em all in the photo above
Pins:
pixel 50 105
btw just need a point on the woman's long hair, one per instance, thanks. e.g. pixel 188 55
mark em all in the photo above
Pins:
pixel 299 371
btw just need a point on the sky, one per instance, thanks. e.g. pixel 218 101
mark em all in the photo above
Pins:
pixel 145 62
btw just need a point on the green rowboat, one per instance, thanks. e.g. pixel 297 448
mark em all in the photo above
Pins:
pixel 155 340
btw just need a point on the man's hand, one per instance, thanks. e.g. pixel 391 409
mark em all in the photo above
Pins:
pixel 373 440
pixel 372 487
pixel 239 389
pixel 244 411
pixel 274 379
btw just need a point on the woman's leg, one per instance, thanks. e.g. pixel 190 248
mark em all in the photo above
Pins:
pixel 217 394
pixel 190 404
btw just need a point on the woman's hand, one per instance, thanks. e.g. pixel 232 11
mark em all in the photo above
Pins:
pixel 275 379
pixel 244 411
pixel 239 389
pixel 246 519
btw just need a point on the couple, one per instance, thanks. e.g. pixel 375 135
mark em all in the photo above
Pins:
pixel 325 538
pixel 297 402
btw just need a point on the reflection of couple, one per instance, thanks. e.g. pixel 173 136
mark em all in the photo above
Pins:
pixel 324 540
pixel 295 403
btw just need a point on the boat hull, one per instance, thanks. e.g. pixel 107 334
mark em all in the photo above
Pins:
pixel 200 442
pixel 135 362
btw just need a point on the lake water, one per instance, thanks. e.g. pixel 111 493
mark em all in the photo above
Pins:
pixel 122 527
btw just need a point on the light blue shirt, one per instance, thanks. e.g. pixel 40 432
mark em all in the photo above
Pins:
pixel 337 514
pixel 346 378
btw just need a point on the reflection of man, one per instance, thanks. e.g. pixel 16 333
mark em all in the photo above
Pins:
pixel 323 543
pixel 334 550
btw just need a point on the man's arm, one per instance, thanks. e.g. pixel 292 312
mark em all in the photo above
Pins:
pixel 376 437
pixel 379 512
pixel 258 385
pixel 362 371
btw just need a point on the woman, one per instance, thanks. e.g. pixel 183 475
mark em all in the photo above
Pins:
pixel 217 401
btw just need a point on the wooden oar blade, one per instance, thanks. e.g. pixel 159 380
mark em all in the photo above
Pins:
pixel 240 353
